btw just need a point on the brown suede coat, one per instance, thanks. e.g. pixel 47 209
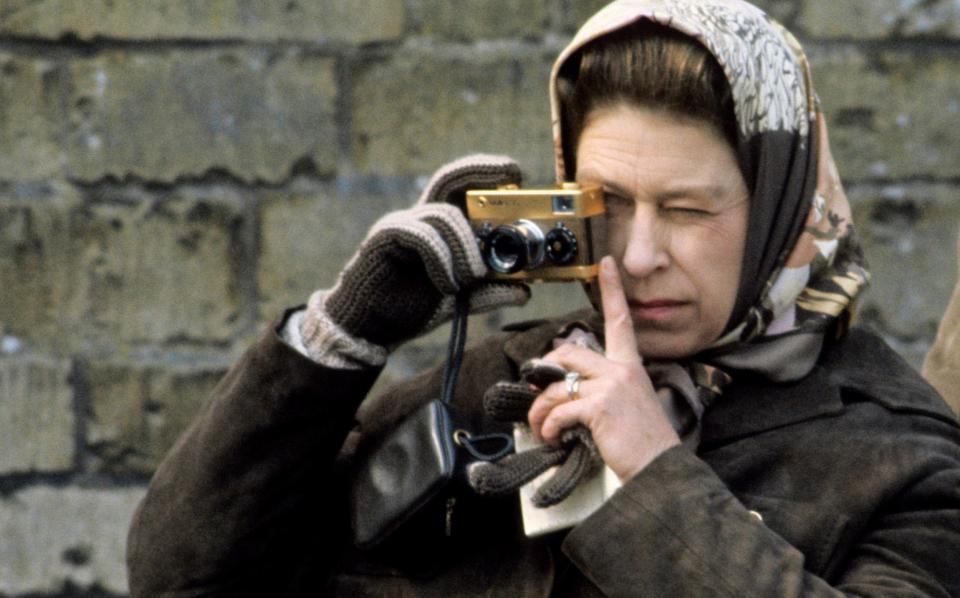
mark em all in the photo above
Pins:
pixel 855 471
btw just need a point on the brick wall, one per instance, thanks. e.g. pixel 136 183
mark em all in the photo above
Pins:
pixel 173 173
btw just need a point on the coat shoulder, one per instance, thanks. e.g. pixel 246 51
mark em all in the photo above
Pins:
pixel 865 367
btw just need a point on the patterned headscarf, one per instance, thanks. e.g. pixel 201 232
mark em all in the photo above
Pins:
pixel 803 268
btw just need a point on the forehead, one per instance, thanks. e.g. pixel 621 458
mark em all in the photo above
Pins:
pixel 641 118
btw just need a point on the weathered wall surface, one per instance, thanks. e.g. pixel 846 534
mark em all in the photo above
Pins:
pixel 173 173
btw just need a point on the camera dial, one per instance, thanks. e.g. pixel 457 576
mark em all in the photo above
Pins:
pixel 510 248
pixel 561 245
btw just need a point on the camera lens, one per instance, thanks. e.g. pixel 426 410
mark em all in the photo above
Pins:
pixel 514 247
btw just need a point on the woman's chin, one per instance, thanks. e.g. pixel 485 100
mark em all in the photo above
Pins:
pixel 669 344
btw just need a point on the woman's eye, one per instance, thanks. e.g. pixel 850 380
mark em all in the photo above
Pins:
pixel 686 210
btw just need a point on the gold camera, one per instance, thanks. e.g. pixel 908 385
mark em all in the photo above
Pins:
pixel 550 234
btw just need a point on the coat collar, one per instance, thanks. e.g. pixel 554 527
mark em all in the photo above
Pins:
pixel 751 405
pixel 860 367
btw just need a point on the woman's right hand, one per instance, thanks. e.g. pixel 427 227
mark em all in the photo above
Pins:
pixel 402 280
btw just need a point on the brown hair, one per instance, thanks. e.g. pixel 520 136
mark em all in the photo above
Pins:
pixel 648 65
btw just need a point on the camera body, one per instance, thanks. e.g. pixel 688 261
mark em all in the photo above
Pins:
pixel 539 234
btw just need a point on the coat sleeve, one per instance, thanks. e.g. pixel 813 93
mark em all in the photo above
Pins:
pixel 679 531
pixel 229 504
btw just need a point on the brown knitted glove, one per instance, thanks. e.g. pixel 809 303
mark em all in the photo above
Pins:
pixel 402 280
pixel 577 458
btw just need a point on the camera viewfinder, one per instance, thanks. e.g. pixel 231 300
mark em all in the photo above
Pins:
pixel 563 204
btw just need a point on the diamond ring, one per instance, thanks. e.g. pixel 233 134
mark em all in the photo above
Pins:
pixel 572 380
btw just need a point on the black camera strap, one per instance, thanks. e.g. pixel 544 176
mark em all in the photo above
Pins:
pixel 458 339
pixel 451 370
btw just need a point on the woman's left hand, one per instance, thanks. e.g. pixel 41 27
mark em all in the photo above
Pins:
pixel 616 399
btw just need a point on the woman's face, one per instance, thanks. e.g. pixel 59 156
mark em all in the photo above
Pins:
pixel 677 210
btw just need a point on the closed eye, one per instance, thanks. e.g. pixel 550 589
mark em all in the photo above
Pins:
pixel 687 210
pixel 686 207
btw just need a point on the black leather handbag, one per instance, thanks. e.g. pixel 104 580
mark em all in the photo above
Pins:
pixel 419 459
pixel 404 473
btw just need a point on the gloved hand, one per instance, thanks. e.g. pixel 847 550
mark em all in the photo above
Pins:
pixel 403 279
pixel 577 457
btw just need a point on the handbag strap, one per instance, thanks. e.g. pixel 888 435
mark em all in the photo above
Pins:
pixel 451 370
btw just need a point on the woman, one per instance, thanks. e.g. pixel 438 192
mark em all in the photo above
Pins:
pixel 764 449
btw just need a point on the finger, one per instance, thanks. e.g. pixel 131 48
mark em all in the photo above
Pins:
pixel 621 340
pixel 477 171
pixel 459 237
pixel 509 401
pixel 552 396
pixel 586 361
pixel 565 415
pixel 512 471
pixel 580 464
pixel 489 296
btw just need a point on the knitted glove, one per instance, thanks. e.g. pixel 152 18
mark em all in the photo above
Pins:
pixel 403 279
pixel 577 458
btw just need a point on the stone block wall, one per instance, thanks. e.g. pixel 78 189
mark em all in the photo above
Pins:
pixel 174 173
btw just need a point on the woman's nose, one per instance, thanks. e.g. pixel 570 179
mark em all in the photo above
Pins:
pixel 646 248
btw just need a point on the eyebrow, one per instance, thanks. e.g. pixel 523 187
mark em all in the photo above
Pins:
pixel 708 191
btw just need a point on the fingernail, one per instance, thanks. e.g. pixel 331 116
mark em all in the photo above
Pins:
pixel 607 263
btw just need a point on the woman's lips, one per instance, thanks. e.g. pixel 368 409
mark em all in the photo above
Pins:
pixel 657 310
